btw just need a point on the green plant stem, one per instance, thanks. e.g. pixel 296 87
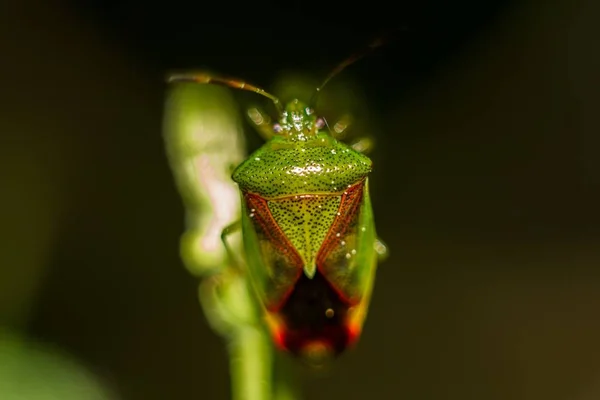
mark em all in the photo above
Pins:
pixel 204 138
pixel 257 372
pixel 285 385
pixel 251 361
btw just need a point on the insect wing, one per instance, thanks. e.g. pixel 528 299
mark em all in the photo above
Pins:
pixel 273 262
pixel 347 257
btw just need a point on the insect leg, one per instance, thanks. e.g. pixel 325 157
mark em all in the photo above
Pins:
pixel 227 231
pixel 340 128
pixel 340 131
pixel 261 122
pixel 363 145
pixel 381 249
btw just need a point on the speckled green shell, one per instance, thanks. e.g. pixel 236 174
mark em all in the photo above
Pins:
pixel 320 165
pixel 306 208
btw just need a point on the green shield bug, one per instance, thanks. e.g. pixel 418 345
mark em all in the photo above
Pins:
pixel 307 224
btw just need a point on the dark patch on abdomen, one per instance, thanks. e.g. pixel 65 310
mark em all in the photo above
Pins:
pixel 305 316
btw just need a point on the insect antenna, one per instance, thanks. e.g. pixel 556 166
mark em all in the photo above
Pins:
pixel 229 82
pixel 375 44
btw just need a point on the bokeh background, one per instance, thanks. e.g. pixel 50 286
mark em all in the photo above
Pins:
pixel 486 190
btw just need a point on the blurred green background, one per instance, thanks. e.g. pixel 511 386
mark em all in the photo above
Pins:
pixel 486 189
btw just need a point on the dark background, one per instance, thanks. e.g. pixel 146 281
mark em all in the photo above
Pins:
pixel 485 189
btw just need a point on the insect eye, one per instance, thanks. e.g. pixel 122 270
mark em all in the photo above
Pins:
pixel 320 123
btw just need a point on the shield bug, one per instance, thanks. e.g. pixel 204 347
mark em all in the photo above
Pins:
pixel 307 223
